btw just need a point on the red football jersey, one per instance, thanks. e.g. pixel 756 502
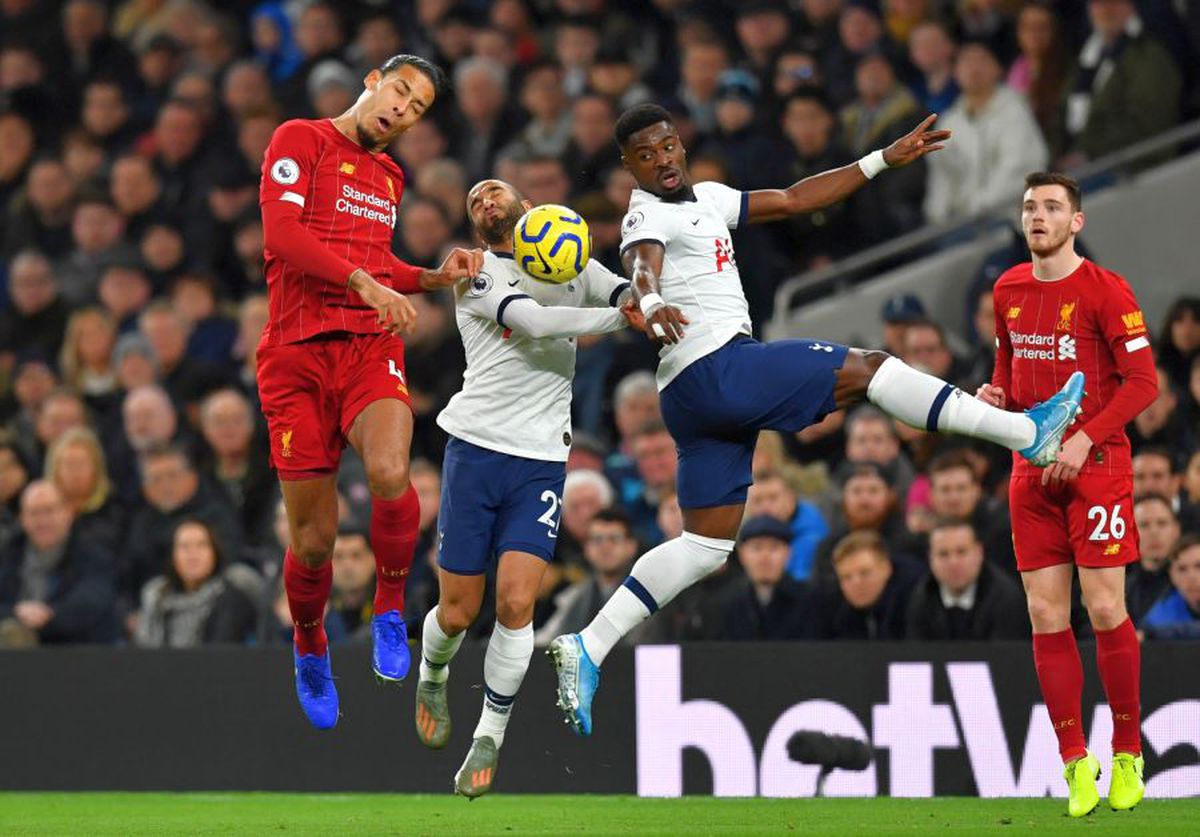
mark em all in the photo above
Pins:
pixel 1087 321
pixel 348 198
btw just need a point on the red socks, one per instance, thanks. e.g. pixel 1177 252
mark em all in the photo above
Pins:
pixel 307 593
pixel 394 525
pixel 1119 658
pixel 1060 672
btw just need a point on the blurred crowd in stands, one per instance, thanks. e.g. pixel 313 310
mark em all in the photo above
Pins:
pixel 136 501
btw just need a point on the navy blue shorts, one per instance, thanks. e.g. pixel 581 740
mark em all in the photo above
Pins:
pixel 494 503
pixel 715 408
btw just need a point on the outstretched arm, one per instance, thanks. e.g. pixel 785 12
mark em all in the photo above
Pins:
pixel 831 186
pixel 643 261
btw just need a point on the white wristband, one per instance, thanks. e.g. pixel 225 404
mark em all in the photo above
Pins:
pixel 872 164
pixel 649 302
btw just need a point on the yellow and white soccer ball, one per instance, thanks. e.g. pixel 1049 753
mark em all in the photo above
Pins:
pixel 551 243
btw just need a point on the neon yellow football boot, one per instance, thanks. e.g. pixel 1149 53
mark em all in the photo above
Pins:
pixel 1127 787
pixel 1081 775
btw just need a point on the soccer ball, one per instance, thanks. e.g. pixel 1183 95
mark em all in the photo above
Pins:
pixel 551 243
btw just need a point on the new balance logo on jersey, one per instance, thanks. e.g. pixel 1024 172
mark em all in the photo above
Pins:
pixel 1066 347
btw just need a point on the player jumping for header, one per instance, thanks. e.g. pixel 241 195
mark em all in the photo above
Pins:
pixel 1055 315
pixel 719 387
pixel 331 363
pixel 510 433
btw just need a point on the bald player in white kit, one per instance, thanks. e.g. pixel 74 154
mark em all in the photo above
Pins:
pixel 510 430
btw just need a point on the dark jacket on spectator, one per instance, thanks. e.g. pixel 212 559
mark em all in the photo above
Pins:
pixel 1144 588
pixel 151 533
pixel 788 614
pixel 42 331
pixel 1172 618
pixel 999 611
pixel 885 620
pixel 81 592
pixel 220 610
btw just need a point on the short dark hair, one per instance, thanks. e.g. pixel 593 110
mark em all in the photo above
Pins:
pixel 611 515
pixel 953 523
pixel 638 117
pixel 1057 178
pixel 1183 545
pixel 864 540
pixel 431 71
pixel 812 95
pixel 952 460
pixel 1158 450
pixel 1155 497
pixel 653 427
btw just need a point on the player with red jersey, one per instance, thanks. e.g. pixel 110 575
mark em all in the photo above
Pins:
pixel 331 362
pixel 1060 314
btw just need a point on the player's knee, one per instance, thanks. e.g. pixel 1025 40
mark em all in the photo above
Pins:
pixel 387 477
pixel 1106 612
pixel 313 545
pixel 1047 615
pixel 872 359
pixel 514 609
pixel 456 617
pixel 855 375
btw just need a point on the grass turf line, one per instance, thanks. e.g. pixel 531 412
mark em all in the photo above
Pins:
pixel 357 814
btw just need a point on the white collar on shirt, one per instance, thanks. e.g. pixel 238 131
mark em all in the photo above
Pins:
pixel 965 600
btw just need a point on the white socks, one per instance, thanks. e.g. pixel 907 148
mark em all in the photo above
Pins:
pixel 437 649
pixel 928 403
pixel 508 654
pixel 657 578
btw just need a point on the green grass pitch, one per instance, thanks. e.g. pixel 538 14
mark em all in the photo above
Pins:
pixel 343 815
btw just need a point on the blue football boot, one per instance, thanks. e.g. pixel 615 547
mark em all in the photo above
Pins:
pixel 389 646
pixel 578 678
pixel 1052 418
pixel 315 689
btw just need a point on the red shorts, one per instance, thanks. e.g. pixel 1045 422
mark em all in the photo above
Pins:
pixel 312 391
pixel 1088 522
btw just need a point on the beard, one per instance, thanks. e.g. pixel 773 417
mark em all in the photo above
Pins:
pixel 368 140
pixel 1055 239
pixel 497 231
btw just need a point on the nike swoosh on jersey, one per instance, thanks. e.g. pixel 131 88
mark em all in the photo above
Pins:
pixel 513 283
pixel 695 221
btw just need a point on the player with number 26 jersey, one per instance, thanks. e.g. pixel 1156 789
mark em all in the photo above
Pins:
pixel 1091 322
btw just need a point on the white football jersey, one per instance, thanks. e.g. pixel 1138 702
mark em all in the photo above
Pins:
pixel 516 395
pixel 699 274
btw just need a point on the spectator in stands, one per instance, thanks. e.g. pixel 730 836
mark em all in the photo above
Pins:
pixel 238 465
pixel 75 464
pixel 481 89
pixel 882 111
pixel 1179 343
pixel 925 348
pixel 749 153
pixel 1041 70
pixel 809 126
pixel 871 438
pixel 136 192
pixel 434 363
pixel 1148 580
pixel 332 88
pixel 185 378
pixel 107 116
pixel 33 380
pixel 1160 424
pixel 703 63
pixel 868 504
pixel 610 547
pixel 931 48
pixel 62 410
pixel 1177 616
pixel 86 358
pixel 54 586
pixel 585 494
pixel 134 362
pixel 796 70
pixel 898 313
pixel 670 515
pixel 40 217
pixel 615 76
pixel 978 365
pixel 772 495
pixel 96 229
pixel 199 599
pixel 996 142
pixel 768 603
pixel 591 152
pixel 1189 512
pixel 37 319
pixel 124 292
pixel 17 144
pixel 180 157
pixel 246 89
pixel 1126 87
pixel 423 232
pixel 318 36
pixel 173 492
pixel 656 459
pixel 89 48
pixel 14 476
pixel 964 597
pixel 871 597
pixel 211 334
pixel 252 320
pixel 352 595
pixel 1154 473
pixel 762 29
